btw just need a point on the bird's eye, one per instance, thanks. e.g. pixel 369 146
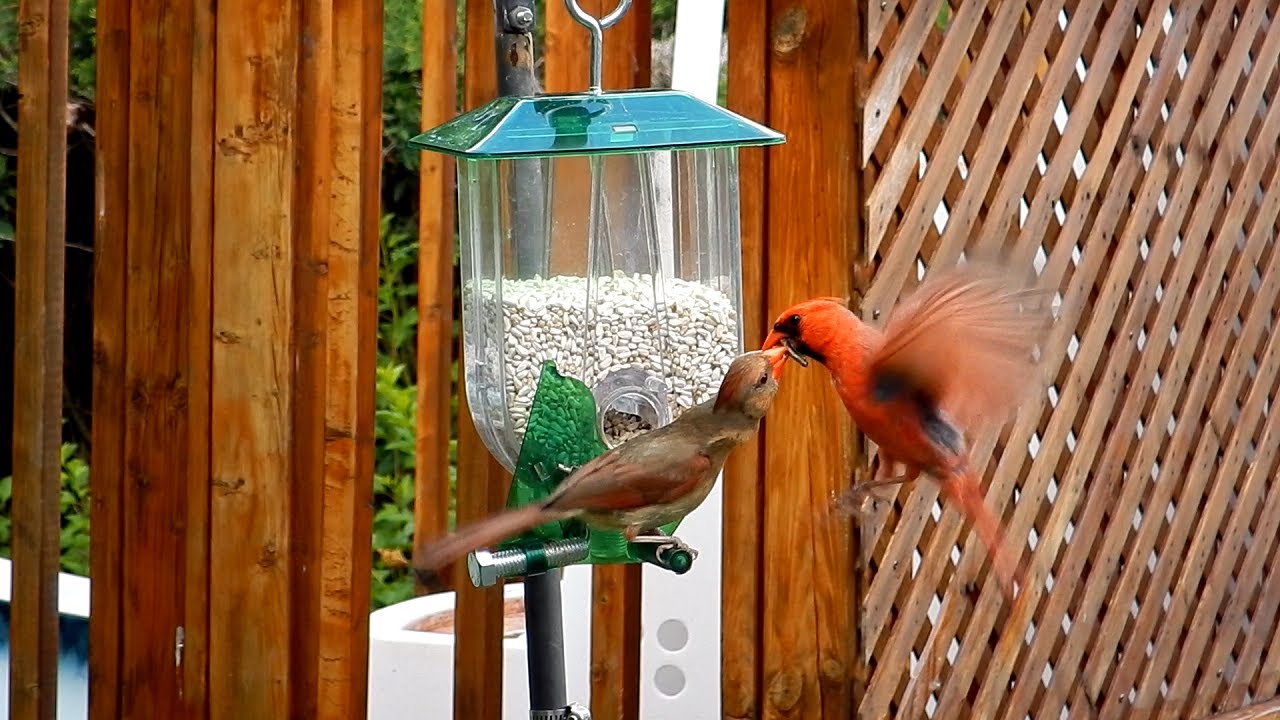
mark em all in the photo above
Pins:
pixel 788 326
pixel 763 379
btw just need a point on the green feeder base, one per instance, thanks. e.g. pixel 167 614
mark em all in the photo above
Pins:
pixel 562 434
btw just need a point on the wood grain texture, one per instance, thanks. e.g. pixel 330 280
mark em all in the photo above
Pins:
pixel 312 230
pixel 251 592
pixel 196 633
pixel 155 150
pixel 1071 395
pixel 157 359
pixel 807 600
pixel 482 482
pixel 615 642
pixel 477 654
pixel 1260 711
pixel 1144 298
pixel 1092 358
pixel 39 262
pixel 111 233
pixel 1249 653
pixel 350 276
pixel 436 246
pixel 360 494
pixel 1209 175
pixel 1095 364
pixel 480 79
pixel 627 60
pixel 743 499
pixel 235 458
pixel 1146 198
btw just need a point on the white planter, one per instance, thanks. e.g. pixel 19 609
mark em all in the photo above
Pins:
pixel 411 671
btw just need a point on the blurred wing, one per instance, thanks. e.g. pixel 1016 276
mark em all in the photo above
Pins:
pixel 622 481
pixel 965 338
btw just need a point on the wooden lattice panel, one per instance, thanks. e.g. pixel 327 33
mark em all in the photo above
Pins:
pixel 1124 152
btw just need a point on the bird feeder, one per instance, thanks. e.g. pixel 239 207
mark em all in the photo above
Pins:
pixel 600 269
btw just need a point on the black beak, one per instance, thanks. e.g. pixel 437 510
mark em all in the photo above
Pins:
pixel 790 344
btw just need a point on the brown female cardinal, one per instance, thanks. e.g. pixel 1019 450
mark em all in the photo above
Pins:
pixel 955 357
pixel 646 482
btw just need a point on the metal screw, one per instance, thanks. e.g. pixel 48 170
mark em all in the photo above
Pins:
pixel 521 18
pixel 487 568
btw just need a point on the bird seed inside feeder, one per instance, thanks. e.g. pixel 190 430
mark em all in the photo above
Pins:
pixel 690 338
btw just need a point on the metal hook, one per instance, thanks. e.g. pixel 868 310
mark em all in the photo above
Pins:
pixel 596 27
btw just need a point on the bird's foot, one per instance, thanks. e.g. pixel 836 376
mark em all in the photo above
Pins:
pixel 547 472
pixel 854 500
pixel 655 537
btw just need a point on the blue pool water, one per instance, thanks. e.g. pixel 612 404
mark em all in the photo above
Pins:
pixel 73 645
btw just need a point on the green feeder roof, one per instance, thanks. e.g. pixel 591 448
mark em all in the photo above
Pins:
pixel 632 121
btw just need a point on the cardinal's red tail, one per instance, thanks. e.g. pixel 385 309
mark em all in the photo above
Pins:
pixel 962 487
pixel 482 533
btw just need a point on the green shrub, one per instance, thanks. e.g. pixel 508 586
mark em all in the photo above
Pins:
pixel 395 413
pixel 74 507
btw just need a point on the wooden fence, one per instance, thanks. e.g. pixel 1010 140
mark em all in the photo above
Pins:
pixel 1125 152
pixel 238 163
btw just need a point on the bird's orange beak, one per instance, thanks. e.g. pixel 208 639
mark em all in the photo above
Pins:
pixel 774 340
pixel 777 359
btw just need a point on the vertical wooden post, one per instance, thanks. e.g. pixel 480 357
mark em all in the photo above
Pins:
pixel 805 663
pixel 740 620
pixel 252 379
pixel 352 310
pixel 436 235
pixel 200 339
pixel 239 156
pixel 482 481
pixel 38 306
pixel 109 332
pixel 161 311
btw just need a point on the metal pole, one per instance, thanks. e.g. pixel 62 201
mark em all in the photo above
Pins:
pixel 513 25
pixel 544 625
pixel 544 634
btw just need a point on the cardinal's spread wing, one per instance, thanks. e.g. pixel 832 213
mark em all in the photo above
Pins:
pixel 619 480
pixel 965 339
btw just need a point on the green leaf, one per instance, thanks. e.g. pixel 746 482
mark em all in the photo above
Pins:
pixel 944 17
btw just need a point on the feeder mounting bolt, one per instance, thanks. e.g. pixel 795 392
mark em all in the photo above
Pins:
pixel 520 18
pixel 487 568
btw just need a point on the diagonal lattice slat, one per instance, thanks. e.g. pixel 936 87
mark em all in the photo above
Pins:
pixel 1125 153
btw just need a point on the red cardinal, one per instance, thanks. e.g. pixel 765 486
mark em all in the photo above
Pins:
pixel 647 481
pixel 955 357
